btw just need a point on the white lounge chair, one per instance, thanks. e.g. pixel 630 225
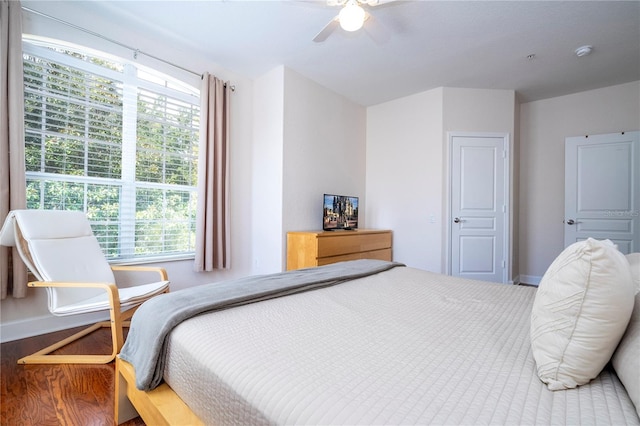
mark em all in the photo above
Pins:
pixel 59 248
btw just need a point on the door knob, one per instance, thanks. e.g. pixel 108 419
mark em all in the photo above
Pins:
pixel 457 220
pixel 571 222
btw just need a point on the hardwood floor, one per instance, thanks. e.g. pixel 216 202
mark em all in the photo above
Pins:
pixel 71 394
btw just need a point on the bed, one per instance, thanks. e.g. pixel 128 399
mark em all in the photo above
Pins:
pixel 397 346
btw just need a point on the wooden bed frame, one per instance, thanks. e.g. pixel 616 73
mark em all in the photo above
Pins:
pixel 161 406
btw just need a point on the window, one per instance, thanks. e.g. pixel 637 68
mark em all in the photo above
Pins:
pixel 116 141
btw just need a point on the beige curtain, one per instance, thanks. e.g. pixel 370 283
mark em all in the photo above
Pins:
pixel 13 273
pixel 212 218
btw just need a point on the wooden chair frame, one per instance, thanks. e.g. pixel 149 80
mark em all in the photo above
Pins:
pixel 117 321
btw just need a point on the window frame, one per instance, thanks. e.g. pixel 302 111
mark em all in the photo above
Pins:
pixel 127 184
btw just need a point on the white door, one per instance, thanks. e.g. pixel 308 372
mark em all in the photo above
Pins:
pixel 602 189
pixel 478 200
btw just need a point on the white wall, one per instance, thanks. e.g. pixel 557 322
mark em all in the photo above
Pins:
pixel 479 110
pixel 484 111
pixel 404 176
pixel 407 157
pixel 402 158
pixel 266 171
pixel 307 140
pixel 324 152
pixel 544 125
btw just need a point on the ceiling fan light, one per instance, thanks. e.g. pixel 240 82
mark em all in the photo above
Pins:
pixel 351 17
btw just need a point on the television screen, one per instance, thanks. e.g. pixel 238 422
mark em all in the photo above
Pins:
pixel 340 212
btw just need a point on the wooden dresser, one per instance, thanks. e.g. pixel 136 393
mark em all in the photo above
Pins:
pixel 317 248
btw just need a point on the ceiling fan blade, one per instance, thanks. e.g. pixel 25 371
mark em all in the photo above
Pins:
pixel 376 2
pixel 326 31
pixel 376 30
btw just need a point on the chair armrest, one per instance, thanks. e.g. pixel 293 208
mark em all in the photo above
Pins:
pixel 110 288
pixel 106 286
pixel 161 271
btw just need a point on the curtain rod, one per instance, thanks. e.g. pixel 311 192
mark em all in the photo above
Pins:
pixel 136 52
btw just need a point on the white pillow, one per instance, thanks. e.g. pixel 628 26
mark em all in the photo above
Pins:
pixel 580 312
pixel 626 358
pixel 634 262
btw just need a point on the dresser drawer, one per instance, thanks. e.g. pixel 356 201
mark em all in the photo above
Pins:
pixel 309 248
pixel 384 254
pixel 347 243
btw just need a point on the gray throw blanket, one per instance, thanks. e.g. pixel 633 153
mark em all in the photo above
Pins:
pixel 145 346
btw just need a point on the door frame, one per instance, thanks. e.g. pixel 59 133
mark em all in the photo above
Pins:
pixel 448 256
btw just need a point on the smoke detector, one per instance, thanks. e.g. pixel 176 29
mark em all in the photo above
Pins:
pixel 584 51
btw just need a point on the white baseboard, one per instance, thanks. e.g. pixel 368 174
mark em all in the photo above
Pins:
pixel 529 279
pixel 16 330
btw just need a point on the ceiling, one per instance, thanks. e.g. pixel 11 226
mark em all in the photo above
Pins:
pixel 424 44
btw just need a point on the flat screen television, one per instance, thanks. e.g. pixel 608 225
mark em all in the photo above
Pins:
pixel 339 212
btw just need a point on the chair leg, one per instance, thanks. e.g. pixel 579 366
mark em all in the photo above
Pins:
pixel 43 357
pixel 116 324
pixel 117 336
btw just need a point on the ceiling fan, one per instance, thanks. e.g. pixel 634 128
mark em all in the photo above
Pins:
pixel 352 16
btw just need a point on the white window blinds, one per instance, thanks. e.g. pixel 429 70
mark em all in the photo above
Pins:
pixel 116 142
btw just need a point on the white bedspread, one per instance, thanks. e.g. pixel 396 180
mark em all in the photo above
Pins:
pixel 401 347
